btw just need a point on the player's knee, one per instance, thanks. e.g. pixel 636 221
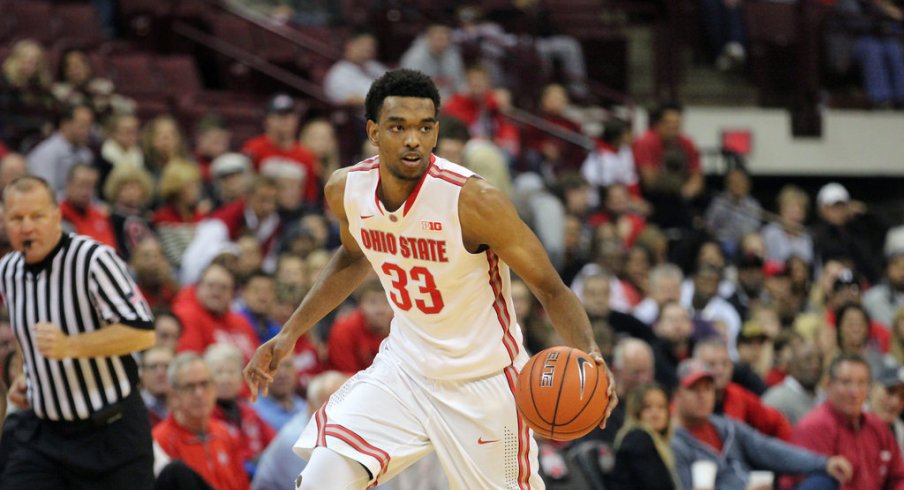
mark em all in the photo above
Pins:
pixel 329 469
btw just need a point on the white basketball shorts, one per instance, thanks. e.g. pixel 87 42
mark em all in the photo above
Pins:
pixel 387 418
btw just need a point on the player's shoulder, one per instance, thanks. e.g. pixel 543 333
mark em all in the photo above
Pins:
pixel 340 176
pixel 335 185
pixel 479 194
pixel 450 172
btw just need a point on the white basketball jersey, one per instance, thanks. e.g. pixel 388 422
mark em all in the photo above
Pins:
pixel 454 317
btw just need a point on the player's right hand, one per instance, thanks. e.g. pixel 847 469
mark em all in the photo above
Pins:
pixel 17 392
pixel 260 369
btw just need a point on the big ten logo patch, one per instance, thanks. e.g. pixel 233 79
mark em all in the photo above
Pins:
pixel 549 369
pixel 431 226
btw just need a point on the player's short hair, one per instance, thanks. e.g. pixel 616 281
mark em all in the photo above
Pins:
pixel 399 83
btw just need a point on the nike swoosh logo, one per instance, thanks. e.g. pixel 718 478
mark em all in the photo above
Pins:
pixel 582 362
pixel 367 217
pixel 482 442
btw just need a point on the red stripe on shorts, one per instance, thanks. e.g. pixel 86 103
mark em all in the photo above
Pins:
pixel 523 437
pixel 359 444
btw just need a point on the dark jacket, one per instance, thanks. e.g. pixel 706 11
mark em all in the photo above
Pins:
pixel 743 449
pixel 638 465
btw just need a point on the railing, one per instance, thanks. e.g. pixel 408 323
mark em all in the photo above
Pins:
pixel 252 60
pixel 316 92
pixel 293 35
pixel 528 119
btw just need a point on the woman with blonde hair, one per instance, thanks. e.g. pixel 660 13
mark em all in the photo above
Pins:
pixel 163 142
pixel 180 193
pixel 643 454
pixel 25 96
pixel 129 188
pixel 26 65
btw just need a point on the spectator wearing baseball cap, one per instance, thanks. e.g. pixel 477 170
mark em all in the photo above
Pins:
pixel 733 446
pixel 279 145
pixel 231 175
pixel 887 399
pixel 837 233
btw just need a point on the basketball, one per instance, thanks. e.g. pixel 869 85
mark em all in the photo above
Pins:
pixel 561 393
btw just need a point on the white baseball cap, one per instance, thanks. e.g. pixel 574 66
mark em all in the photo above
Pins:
pixel 832 193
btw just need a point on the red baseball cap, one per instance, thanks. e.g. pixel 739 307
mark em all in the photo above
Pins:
pixel 692 370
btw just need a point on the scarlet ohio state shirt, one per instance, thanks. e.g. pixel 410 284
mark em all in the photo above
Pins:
pixel 454 317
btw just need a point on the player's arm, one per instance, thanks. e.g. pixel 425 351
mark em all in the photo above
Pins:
pixel 345 271
pixel 488 217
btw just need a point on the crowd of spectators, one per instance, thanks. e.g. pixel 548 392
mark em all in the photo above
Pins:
pixel 701 290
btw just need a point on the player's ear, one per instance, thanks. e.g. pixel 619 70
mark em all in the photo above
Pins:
pixel 435 134
pixel 373 133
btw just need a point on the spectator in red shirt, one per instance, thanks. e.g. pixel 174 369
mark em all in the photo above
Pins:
pixel 734 447
pixel 231 178
pixel 80 214
pixel 256 215
pixel 212 139
pixel 180 191
pixel 355 338
pixel 545 151
pixel 840 426
pixel 253 433
pixel 279 146
pixel 479 108
pixel 176 220
pixel 732 400
pixel 669 166
pixel 206 313
pixel 191 435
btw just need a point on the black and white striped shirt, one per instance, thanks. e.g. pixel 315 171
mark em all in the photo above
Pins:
pixel 81 286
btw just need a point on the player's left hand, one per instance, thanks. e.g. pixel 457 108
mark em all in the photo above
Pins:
pixel 262 367
pixel 613 397
pixel 51 341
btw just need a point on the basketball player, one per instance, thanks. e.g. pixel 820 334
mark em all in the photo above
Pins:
pixel 441 240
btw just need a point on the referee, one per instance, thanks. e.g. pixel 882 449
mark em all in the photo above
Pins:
pixel 78 317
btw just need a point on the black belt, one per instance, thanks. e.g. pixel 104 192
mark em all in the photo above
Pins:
pixel 107 415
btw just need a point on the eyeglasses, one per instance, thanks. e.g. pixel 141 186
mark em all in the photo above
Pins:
pixel 192 387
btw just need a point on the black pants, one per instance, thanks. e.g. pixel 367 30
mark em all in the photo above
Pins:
pixel 81 455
